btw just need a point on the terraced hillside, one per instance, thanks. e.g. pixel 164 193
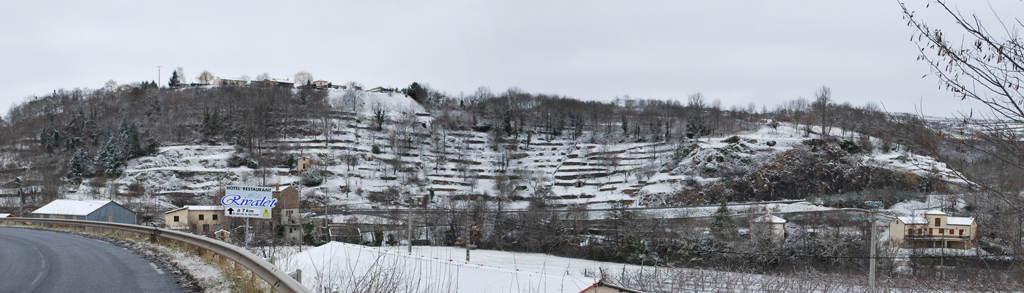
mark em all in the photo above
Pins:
pixel 364 165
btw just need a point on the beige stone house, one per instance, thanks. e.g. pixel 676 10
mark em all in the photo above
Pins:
pixel 198 219
pixel 302 164
pixel 934 229
pixel 286 213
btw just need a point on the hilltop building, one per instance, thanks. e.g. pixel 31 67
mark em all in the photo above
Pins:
pixel 274 83
pixel 232 81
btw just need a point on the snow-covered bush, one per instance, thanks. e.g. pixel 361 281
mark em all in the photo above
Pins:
pixel 312 177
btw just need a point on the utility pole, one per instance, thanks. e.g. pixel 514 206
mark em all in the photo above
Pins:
pixel 874 206
pixel 409 219
pixel 469 234
pixel 158 76
pixel 327 215
pixel 21 196
pixel 871 273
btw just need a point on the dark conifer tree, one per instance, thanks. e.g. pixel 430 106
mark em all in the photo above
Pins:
pixel 174 80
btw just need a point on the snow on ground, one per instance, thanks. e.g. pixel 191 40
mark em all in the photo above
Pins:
pixel 395 103
pixel 205 273
pixel 949 203
pixel 338 266
pixel 434 268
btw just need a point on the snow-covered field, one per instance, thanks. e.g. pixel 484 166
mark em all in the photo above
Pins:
pixel 347 267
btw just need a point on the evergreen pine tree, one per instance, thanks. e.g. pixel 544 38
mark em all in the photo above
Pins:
pixel 44 140
pixel 174 80
pixel 110 158
pixel 134 147
pixel 722 224
pixel 76 167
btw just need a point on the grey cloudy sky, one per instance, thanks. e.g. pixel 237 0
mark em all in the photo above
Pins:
pixel 740 52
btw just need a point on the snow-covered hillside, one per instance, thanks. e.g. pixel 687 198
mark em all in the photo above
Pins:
pixel 409 156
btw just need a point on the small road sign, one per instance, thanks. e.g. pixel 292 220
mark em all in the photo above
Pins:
pixel 247 212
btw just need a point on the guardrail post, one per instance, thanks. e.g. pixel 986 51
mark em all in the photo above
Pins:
pixel 153 237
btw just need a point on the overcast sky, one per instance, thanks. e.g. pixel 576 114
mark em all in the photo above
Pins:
pixel 740 52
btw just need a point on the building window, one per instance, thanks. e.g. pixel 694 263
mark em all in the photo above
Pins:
pixel 206 228
pixel 200 217
pixel 175 219
pixel 214 217
pixel 938 222
pixel 931 231
pixel 942 231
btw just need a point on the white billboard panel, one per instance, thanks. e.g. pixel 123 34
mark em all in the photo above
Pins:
pixel 248 201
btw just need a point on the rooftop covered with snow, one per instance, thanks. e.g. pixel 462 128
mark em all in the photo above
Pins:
pixel 71 207
pixel 197 208
pixel 769 219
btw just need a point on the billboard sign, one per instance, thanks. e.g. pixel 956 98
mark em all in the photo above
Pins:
pixel 248 201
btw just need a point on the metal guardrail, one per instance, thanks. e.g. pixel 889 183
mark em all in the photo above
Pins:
pixel 277 279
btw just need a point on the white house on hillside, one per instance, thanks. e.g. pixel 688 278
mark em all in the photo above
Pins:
pixel 933 230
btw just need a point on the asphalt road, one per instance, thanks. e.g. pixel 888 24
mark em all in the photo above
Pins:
pixel 44 261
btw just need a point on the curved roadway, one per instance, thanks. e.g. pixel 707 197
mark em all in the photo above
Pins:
pixel 44 261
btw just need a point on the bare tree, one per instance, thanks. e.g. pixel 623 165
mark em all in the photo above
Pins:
pixel 823 109
pixel 352 100
pixel 180 73
pixel 696 122
pixel 380 114
pixel 797 108
pixel 206 77
pixel 263 76
pixel 302 78
pixel 987 67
